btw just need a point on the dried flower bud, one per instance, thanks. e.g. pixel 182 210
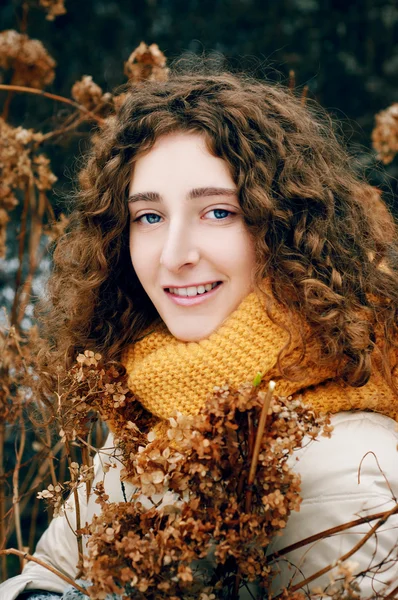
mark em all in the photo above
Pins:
pixel 88 93
pixel 54 8
pixel 385 134
pixel 146 63
pixel 30 61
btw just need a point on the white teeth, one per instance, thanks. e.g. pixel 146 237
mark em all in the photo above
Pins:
pixel 193 290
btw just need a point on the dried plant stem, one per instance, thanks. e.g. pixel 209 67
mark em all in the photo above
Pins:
pixel 37 211
pixel 28 90
pixel 6 107
pixel 253 465
pixel 326 533
pixel 7 103
pixel 78 526
pixel 65 129
pixel 14 336
pixel 38 480
pixel 304 95
pixel 51 452
pixel 345 556
pixel 87 461
pixel 23 27
pixel 33 522
pixel 29 557
pixel 3 539
pixel 79 538
pixel 392 595
pixel 22 235
pixel 15 487
pixel 257 445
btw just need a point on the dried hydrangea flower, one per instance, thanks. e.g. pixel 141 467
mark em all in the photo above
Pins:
pixel 385 134
pixel 20 166
pixel 31 63
pixel 54 8
pixel 146 63
pixel 190 500
pixel 87 93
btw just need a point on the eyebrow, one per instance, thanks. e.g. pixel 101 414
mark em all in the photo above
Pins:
pixel 195 193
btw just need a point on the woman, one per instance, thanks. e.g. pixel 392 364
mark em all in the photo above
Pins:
pixel 221 217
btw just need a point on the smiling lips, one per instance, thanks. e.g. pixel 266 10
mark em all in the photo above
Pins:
pixel 193 295
pixel 192 290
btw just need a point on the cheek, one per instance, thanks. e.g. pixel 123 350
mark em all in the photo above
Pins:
pixel 236 258
pixel 141 258
pixel 244 252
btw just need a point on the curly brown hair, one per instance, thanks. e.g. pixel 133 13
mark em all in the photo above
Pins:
pixel 324 238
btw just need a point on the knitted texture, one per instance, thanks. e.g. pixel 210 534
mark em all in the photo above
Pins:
pixel 166 374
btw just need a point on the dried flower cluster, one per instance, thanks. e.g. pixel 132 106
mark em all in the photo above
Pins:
pixel 21 168
pixel 385 134
pixel 146 63
pixel 17 366
pixel 343 584
pixel 30 62
pixel 191 500
pixel 87 93
pixel 54 8
pixel 189 530
pixel 91 388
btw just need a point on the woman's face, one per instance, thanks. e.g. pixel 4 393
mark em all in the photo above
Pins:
pixel 187 232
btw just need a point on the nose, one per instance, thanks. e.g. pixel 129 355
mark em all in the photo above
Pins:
pixel 179 249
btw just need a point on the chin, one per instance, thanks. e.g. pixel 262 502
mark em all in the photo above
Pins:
pixel 191 336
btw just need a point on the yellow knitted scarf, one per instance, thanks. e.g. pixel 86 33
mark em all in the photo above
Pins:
pixel 166 374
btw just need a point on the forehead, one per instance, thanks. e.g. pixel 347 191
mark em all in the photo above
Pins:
pixel 182 160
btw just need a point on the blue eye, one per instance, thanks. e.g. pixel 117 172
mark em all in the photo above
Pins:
pixel 148 215
pixel 221 210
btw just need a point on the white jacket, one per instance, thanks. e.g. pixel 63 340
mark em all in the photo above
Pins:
pixel 333 492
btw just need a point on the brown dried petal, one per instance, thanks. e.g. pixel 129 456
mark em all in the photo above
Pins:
pixel 30 61
pixel 146 63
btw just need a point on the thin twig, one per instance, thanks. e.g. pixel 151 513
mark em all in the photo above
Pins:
pixel 38 480
pixel 79 538
pixel 345 556
pixel 325 534
pixel 28 90
pixel 33 522
pixel 65 129
pixel 253 467
pixel 29 557
pixel 392 595
pixel 304 95
pixel 2 500
pixel 381 472
pixel 257 444
pixel 22 235
pixel 292 80
pixel 38 205
pixel 14 335
pixel 15 487
pixel 7 103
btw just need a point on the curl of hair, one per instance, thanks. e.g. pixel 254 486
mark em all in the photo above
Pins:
pixel 323 236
